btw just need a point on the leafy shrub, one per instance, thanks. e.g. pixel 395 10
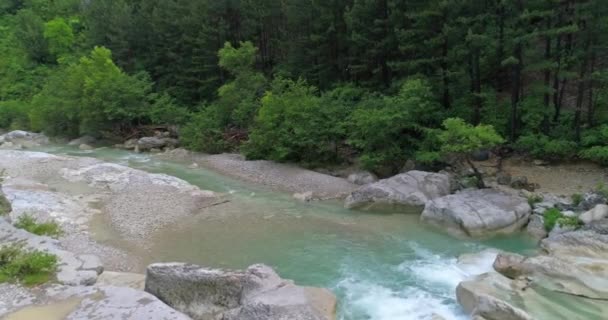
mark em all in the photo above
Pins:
pixel 204 132
pixel 29 223
pixel 596 154
pixel 544 147
pixel 27 267
pixel 551 216
pixel 534 199
pixel 577 198
pixel 14 115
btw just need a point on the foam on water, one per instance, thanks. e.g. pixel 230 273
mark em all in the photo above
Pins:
pixel 423 287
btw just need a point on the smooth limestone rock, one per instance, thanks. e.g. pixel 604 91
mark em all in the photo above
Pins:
pixel 255 294
pixel 536 227
pixel 73 270
pixel 599 212
pixel 83 303
pixel 572 275
pixel 85 147
pixel 581 243
pixel 19 138
pixel 362 178
pixel 477 213
pixel 149 143
pixel 414 188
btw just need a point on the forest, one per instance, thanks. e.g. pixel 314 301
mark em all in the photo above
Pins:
pixel 317 82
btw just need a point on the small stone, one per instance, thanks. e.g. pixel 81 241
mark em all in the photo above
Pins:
pixel 598 213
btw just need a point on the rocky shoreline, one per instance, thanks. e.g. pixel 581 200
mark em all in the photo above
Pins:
pixel 571 266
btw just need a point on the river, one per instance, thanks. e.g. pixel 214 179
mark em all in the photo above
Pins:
pixel 381 265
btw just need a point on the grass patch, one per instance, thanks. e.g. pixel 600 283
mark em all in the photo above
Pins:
pixel 27 267
pixel 29 223
pixel 534 199
pixel 577 198
pixel 554 217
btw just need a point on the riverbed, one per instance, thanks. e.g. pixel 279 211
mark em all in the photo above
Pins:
pixel 381 265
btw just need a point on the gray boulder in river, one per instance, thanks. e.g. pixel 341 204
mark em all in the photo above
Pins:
pixel 257 293
pixel 414 188
pixel 478 213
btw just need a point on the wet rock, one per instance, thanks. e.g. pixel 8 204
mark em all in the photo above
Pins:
pixel 362 178
pixel 509 265
pixel 255 294
pixel 304 196
pixel 130 144
pixel 88 140
pixel 598 213
pixel 477 213
pixel 480 297
pixel 413 188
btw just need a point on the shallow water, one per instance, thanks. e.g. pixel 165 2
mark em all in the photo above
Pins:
pixel 382 266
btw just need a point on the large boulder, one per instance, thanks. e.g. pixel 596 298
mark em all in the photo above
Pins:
pixel 414 188
pixel 478 213
pixel 585 243
pixel 599 212
pixel 536 227
pixel 566 274
pixel 492 296
pixel 255 294
pixel 89 140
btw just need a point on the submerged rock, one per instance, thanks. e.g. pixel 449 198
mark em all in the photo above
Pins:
pixel 255 294
pixel 477 213
pixel 414 188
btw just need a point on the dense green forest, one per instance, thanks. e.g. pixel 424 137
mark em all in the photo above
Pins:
pixel 313 81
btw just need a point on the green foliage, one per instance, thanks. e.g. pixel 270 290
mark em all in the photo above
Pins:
pixel 204 132
pixel 28 222
pixel 165 110
pixel 294 125
pixel 459 137
pixel 569 222
pixel 550 218
pixel 385 129
pixel 14 115
pixel 534 199
pixel 544 147
pixel 577 198
pixel 28 267
pixel 90 97
pixel 59 36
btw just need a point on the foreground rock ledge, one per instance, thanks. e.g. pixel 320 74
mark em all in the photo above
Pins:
pixel 254 294
pixel 414 188
pixel 478 213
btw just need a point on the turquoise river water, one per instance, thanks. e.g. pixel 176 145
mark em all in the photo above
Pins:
pixel 382 266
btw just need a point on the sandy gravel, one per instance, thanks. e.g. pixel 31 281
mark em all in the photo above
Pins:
pixel 278 176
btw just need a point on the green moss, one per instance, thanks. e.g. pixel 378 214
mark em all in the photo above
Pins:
pixel 554 217
pixel 577 198
pixel 29 223
pixel 551 216
pixel 27 267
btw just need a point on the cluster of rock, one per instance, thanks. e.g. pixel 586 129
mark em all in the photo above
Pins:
pixel 566 281
pixel 161 141
pixel 20 139
pixel 254 294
